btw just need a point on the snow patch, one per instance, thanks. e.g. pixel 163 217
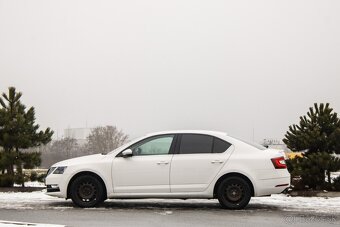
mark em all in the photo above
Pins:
pixel 314 204
pixel 15 224
pixel 39 200
pixel 31 184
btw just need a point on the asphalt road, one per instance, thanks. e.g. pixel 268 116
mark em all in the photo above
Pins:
pixel 143 213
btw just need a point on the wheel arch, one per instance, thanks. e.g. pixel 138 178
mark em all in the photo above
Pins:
pixel 85 173
pixel 234 174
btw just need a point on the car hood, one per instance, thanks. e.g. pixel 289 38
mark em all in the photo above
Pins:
pixel 81 160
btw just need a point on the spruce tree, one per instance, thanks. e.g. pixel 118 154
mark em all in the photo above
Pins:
pixel 318 134
pixel 319 131
pixel 18 131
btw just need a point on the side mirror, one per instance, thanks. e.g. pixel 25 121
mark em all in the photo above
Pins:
pixel 127 153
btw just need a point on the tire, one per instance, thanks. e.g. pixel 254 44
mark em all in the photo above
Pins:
pixel 234 193
pixel 87 191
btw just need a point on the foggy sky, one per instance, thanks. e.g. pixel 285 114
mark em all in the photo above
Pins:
pixel 234 66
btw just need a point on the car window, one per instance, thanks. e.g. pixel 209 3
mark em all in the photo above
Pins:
pixel 156 146
pixel 195 144
pixel 220 146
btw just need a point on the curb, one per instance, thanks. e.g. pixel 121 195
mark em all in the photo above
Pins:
pixel 21 189
pixel 314 194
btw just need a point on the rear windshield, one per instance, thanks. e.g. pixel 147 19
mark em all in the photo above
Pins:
pixel 256 145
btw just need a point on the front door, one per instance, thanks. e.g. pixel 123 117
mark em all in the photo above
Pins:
pixel 147 171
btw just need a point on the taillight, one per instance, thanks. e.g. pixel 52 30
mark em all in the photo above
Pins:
pixel 279 163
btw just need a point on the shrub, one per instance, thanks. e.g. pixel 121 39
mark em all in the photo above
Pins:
pixel 6 180
pixel 336 184
pixel 312 169
pixel 33 176
pixel 41 177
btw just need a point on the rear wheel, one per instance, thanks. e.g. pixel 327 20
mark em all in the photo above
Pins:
pixel 234 193
pixel 87 191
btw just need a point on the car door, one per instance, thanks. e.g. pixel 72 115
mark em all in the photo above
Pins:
pixel 197 160
pixel 147 170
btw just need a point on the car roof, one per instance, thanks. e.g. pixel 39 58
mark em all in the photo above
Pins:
pixel 208 132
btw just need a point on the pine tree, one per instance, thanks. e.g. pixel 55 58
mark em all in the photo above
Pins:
pixel 318 134
pixel 319 131
pixel 313 167
pixel 18 131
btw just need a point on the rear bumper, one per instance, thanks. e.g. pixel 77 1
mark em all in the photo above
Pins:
pixel 272 186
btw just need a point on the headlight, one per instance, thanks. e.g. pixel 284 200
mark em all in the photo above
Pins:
pixel 50 170
pixel 60 170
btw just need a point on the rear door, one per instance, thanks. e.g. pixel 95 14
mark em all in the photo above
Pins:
pixel 197 160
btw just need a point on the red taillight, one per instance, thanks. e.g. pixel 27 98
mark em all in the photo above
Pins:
pixel 279 163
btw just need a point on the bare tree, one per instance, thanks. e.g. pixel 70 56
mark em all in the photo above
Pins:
pixel 66 146
pixel 59 150
pixel 105 139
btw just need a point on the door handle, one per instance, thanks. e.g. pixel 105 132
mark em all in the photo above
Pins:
pixel 162 163
pixel 217 161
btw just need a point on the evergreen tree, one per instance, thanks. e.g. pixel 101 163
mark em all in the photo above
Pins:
pixel 312 169
pixel 18 131
pixel 318 134
pixel 319 131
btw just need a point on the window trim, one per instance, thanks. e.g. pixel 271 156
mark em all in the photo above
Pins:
pixel 145 140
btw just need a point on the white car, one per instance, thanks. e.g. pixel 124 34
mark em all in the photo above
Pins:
pixel 173 164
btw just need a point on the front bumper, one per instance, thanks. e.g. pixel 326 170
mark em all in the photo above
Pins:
pixel 52 188
pixel 56 185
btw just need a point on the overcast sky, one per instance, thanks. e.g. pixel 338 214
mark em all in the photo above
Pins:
pixel 155 65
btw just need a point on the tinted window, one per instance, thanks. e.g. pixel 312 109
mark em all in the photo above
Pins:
pixel 220 146
pixel 155 146
pixel 194 144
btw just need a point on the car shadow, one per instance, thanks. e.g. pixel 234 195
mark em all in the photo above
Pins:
pixel 142 204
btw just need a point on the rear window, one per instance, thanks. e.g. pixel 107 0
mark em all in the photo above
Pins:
pixel 220 146
pixel 256 145
pixel 196 144
pixel 202 144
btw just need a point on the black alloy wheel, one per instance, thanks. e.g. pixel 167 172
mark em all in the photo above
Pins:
pixel 87 191
pixel 234 193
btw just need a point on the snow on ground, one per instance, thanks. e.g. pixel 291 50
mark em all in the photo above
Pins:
pixel 26 200
pixel 31 184
pixel 39 200
pixel 17 224
pixel 335 175
pixel 304 204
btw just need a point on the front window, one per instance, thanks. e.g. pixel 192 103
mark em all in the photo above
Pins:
pixel 155 146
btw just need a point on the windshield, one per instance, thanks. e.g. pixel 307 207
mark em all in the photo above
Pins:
pixel 126 145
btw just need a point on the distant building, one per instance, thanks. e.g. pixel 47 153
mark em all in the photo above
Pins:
pixel 275 144
pixel 80 134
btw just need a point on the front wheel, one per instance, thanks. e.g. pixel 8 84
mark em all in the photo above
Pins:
pixel 234 193
pixel 87 191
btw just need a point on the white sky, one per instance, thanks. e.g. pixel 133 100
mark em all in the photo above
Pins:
pixel 156 65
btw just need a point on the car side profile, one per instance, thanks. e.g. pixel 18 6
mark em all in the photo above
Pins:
pixel 174 164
